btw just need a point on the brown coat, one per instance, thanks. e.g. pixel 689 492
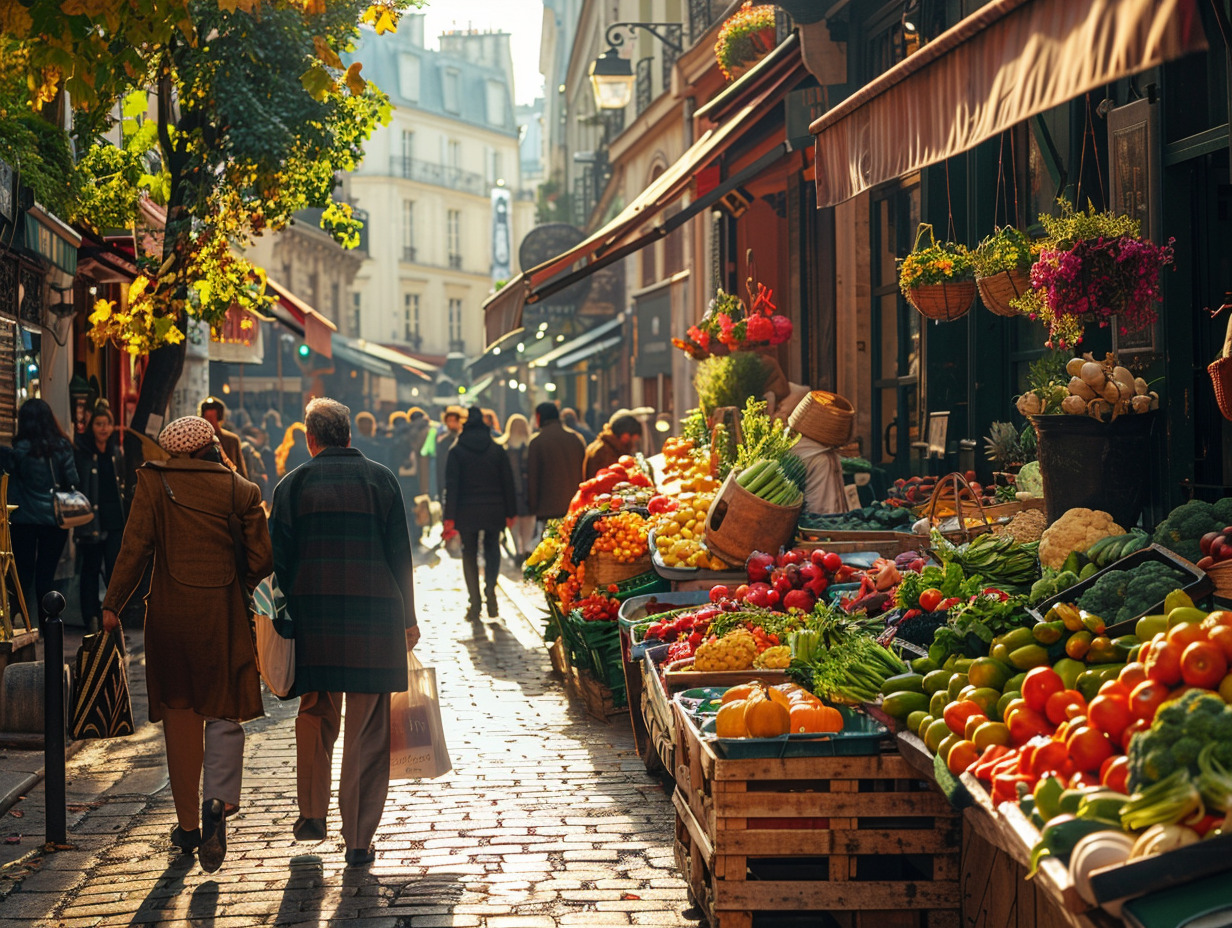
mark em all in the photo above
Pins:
pixel 602 452
pixel 231 448
pixel 199 650
pixel 553 469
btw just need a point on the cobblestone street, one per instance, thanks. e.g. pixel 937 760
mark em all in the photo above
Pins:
pixel 547 819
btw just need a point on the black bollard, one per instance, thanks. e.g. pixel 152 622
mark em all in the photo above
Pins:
pixel 53 717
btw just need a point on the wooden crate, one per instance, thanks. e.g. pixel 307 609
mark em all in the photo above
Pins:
pixel 598 698
pixel 860 838
pixel 660 724
pixel 559 655
pixel 603 569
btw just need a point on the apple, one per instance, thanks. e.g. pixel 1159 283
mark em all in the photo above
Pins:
pixel 1205 542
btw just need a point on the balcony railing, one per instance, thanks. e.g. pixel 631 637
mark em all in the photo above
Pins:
pixel 455 262
pixel 439 175
pixel 701 16
pixel 408 253
pixel 642 92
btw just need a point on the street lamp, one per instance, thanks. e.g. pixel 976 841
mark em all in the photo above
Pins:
pixel 611 75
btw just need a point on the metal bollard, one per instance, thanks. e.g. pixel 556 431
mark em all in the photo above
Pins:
pixel 53 718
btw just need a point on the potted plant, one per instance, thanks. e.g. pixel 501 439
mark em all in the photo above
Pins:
pixel 1003 269
pixel 729 326
pixel 1093 267
pixel 939 279
pixel 745 39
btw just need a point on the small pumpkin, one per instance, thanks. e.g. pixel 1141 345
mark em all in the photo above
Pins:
pixel 780 697
pixel 729 723
pixel 765 717
pixel 743 691
pixel 815 717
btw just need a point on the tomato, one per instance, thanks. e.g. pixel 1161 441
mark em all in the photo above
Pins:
pixel 1114 688
pixel 1082 780
pixel 1039 684
pixel 1109 714
pixel 1163 664
pixel 1146 699
pixel 833 562
pixel 929 599
pixel 1132 729
pixel 627 460
pixel 1203 664
pixel 1131 675
pixel 1186 634
pixel 1059 706
pixel 1221 637
pixel 1088 748
pixel 1025 723
pixel 719 592
pixel 1114 773
pixel 961 756
pixel 1218 618
pixel 957 713
pixel 1049 758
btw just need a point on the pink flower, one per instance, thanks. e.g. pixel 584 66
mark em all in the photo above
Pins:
pixel 759 328
pixel 782 330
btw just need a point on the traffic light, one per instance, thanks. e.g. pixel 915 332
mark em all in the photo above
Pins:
pixel 304 351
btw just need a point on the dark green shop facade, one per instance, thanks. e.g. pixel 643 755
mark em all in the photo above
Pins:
pixel 1153 142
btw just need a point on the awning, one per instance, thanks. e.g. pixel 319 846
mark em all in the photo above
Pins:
pixel 52 238
pixel 552 358
pixel 346 351
pixel 1006 62
pixel 377 359
pixel 589 351
pixel 397 358
pixel 302 319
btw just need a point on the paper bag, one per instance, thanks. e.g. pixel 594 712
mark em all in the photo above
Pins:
pixel 274 637
pixel 417 738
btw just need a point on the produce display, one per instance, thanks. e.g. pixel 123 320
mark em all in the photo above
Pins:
pixel 1100 389
pixel 1188 523
pixel 878 517
pixel 776 482
pixel 755 710
pixel 1077 530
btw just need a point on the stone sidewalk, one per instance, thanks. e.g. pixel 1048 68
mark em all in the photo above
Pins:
pixel 548 818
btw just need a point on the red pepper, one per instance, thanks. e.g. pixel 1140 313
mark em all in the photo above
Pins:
pixel 1206 824
pixel 1005 787
pixel 948 603
pixel 999 594
pixel 983 767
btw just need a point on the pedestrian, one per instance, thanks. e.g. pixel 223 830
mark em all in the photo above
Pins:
pixel 100 466
pixel 418 426
pixel 553 464
pixel 571 421
pixel 201 530
pixel 214 411
pixel 451 419
pixel 258 439
pixel 254 466
pixel 479 500
pixel 342 556
pixel 619 437
pixel 366 439
pixel 294 449
pixel 492 421
pixel 40 462
pixel 516 442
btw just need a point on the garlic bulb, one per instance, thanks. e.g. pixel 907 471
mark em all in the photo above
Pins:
pixel 1029 404
pixel 1140 386
pixel 1141 404
pixel 1122 375
pixel 1111 392
pixel 1093 374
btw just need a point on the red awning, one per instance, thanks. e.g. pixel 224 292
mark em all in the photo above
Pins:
pixel 1006 62
pixel 317 329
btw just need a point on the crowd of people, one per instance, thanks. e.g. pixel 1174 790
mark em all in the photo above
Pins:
pixel 184 530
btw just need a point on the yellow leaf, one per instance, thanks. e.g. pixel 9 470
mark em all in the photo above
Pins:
pixel 228 6
pixel 327 55
pixel 354 82
pixel 385 23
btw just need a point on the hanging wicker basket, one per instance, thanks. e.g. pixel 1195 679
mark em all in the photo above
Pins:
pixel 824 417
pixel 943 302
pixel 1221 375
pixel 998 290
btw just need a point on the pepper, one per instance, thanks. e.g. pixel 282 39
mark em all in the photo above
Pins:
pixel 1005 787
pixel 1048 797
pixel 1078 644
pixel 1060 835
pixel 1048 632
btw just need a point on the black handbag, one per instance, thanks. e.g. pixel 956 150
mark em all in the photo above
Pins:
pixel 101 704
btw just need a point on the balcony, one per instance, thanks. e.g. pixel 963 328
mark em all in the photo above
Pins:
pixel 439 175
pixel 408 253
pixel 455 262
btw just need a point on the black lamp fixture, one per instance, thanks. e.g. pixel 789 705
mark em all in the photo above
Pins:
pixel 611 74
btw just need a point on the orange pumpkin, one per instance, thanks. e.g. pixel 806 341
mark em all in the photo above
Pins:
pixel 765 717
pixel 779 697
pixel 743 691
pixel 815 718
pixel 729 723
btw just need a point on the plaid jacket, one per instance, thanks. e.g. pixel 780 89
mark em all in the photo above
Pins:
pixel 342 555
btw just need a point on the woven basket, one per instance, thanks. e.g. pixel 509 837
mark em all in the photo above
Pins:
pixel 824 417
pixel 943 302
pixel 1221 375
pixel 1221 575
pixel 997 291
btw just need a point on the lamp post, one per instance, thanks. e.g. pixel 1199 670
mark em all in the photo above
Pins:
pixel 611 75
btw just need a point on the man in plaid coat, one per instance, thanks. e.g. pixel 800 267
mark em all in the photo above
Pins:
pixel 342 556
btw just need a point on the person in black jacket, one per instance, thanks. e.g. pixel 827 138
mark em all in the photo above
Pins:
pixel 40 461
pixel 100 465
pixel 479 498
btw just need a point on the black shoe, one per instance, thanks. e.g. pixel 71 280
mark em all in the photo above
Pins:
pixel 186 841
pixel 309 829
pixel 360 857
pixel 492 611
pixel 213 850
pixel 472 612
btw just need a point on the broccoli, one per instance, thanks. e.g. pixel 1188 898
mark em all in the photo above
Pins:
pixel 1180 730
pixel 1185 525
pixel 1051 584
pixel 1223 513
pixel 1148 585
pixel 1185 751
pixel 1223 753
pixel 1105 596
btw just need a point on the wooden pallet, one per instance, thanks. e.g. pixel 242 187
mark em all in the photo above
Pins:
pixel 861 838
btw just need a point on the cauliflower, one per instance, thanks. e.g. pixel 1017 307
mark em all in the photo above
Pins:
pixel 1077 530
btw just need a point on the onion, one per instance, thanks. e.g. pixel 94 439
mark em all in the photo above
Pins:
pixel 1074 405
pixel 1079 387
pixel 1111 392
pixel 1160 838
pixel 1093 374
pixel 1102 849
pixel 1122 375
pixel 1141 404
pixel 1074 366
pixel 1140 386
pixel 1098 409
pixel 1029 404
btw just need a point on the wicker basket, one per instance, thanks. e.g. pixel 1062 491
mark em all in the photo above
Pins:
pixel 824 417
pixel 1221 575
pixel 943 302
pixel 1221 375
pixel 1000 289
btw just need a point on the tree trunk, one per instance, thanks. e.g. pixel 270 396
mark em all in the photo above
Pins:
pixel 158 382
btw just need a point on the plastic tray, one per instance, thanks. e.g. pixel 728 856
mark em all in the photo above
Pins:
pixel 860 734
pixel 691 573
pixel 1199 586
pixel 633 613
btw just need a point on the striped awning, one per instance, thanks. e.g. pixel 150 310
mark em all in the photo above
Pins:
pixel 1006 62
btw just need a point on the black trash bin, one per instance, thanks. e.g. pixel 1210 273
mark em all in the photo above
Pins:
pixel 1095 465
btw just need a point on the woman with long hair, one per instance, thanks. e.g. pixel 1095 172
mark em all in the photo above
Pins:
pixel 294 449
pixel 100 464
pixel 40 462
pixel 517 445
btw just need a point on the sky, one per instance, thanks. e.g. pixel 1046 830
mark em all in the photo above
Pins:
pixel 522 19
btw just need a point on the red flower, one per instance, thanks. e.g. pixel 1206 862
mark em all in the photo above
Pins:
pixel 782 330
pixel 760 328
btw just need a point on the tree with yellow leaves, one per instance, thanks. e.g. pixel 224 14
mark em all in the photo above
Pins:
pixel 233 114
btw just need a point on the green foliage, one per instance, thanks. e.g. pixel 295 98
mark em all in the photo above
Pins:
pixel 694 427
pixel 936 263
pixel 729 380
pixel 764 439
pixel 1007 249
pixel 111 187
pixel 33 146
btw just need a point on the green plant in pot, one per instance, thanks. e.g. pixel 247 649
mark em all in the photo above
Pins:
pixel 938 279
pixel 1003 269
pixel 745 38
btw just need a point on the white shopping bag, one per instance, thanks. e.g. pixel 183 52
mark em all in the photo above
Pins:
pixel 417 738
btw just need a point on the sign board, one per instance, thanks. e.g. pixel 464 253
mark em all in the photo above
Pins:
pixel 1134 183
pixel 502 234
pixel 653 327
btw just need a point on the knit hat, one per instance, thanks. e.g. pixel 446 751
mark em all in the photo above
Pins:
pixel 186 435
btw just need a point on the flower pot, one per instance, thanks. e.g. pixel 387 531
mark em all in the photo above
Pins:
pixel 997 290
pixel 1095 465
pixel 943 302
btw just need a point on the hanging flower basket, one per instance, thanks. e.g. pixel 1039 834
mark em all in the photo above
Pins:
pixel 745 39
pixel 938 280
pixel 942 302
pixel 998 291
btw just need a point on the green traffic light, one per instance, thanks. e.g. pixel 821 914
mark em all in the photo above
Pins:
pixel 304 351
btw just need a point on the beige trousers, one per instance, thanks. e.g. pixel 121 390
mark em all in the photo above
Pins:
pixel 364 783
pixel 195 742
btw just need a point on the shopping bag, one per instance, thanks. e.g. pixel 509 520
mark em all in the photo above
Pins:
pixel 275 639
pixel 416 736
pixel 101 705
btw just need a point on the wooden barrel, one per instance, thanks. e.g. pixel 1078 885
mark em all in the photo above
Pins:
pixel 740 523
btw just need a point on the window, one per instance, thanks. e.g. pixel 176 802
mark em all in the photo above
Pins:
pixel 455 326
pixel 496 103
pixel 494 165
pixel 356 310
pixel 408 230
pixel 453 233
pixel 453 154
pixel 408 77
pixel 452 91
pixel 410 319
pixel 408 151
pixel 335 304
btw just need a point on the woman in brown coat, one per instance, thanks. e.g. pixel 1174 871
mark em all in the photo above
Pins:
pixel 201 669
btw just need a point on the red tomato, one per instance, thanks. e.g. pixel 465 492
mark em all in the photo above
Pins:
pixel 1049 758
pixel 1146 698
pixel 1040 683
pixel 1114 773
pixel 1221 637
pixel 929 599
pixel 1088 748
pixel 833 561
pixel 1110 714
pixel 1131 675
pixel 1163 664
pixel 718 593
pixel 1059 706
pixel 1114 688
pixel 1082 780
pixel 1186 634
pixel 956 715
pixel 1132 729
pixel 1203 664
pixel 1025 723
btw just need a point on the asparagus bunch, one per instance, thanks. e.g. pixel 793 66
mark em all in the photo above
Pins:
pixel 766 479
